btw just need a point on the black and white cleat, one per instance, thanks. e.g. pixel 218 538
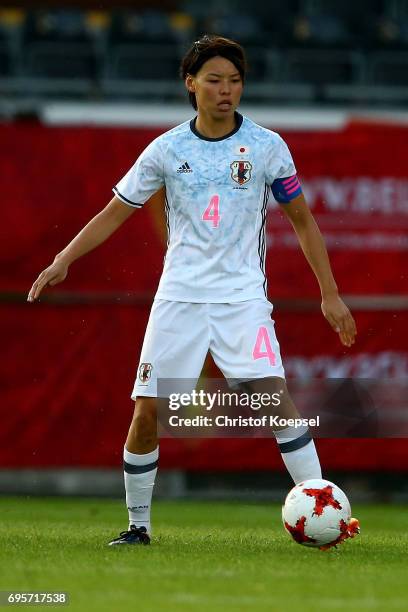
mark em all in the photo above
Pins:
pixel 135 535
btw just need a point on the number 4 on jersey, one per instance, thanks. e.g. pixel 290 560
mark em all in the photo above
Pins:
pixel 262 338
pixel 212 212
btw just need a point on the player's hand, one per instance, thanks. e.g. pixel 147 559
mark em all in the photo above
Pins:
pixel 340 318
pixel 54 274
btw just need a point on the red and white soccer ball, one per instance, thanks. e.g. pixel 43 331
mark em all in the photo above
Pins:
pixel 317 513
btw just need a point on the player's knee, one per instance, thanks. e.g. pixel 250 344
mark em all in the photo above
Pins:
pixel 145 416
pixel 273 388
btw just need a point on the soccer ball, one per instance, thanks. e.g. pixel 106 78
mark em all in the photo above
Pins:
pixel 317 513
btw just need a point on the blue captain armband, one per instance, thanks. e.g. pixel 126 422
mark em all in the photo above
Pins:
pixel 286 189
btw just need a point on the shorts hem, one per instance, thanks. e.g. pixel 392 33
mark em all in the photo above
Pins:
pixel 150 394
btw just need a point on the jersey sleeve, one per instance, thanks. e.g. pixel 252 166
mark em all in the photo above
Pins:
pixel 144 178
pixel 281 172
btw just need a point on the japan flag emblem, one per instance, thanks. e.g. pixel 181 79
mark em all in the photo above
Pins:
pixel 241 150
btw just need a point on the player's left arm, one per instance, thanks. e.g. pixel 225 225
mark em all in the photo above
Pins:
pixel 314 249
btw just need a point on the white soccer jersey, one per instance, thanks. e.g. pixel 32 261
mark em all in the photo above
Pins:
pixel 216 199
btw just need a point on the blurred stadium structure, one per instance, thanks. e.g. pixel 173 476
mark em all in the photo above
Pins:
pixel 299 51
pixel 83 90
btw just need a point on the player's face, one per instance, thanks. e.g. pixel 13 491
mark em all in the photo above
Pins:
pixel 217 86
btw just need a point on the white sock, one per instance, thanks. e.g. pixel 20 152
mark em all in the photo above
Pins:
pixel 299 454
pixel 140 473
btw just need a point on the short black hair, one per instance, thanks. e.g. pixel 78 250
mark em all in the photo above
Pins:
pixel 208 46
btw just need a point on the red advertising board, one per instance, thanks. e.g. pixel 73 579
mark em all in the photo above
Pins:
pixel 70 364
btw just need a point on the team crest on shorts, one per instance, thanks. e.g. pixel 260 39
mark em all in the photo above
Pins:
pixel 145 371
pixel 241 171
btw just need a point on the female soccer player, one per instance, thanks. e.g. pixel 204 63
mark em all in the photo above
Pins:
pixel 217 170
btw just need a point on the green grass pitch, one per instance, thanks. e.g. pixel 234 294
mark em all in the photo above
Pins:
pixel 205 556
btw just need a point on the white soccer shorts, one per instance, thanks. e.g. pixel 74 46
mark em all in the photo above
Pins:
pixel 240 336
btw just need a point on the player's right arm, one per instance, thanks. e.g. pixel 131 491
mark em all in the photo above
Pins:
pixel 92 235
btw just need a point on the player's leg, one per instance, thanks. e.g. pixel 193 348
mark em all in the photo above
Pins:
pixel 295 444
pixel 140 460
pixel 245 347
pixel 142 435
pixel 175 347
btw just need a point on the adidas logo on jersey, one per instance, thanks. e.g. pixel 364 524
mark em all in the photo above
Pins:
pixel 184 168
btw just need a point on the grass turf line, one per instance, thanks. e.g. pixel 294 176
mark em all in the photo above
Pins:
pixel 204 556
